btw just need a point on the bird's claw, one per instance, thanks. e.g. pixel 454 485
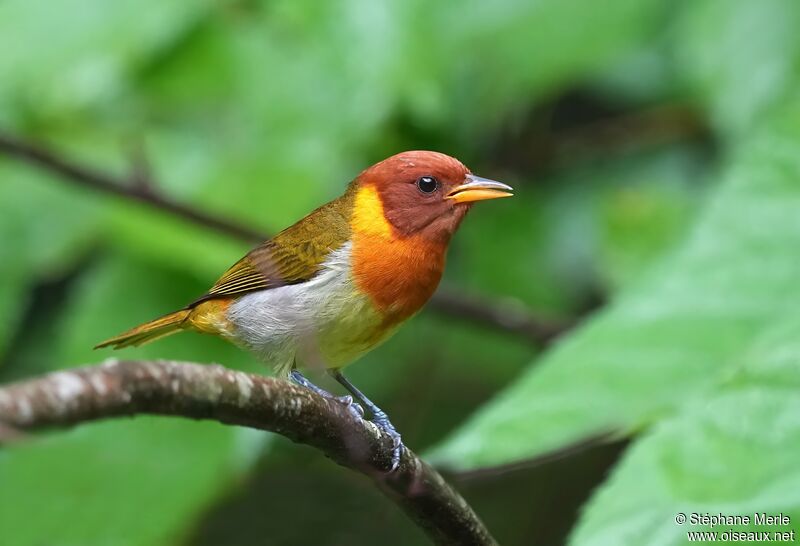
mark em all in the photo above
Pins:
pixel 396 452
pixel 379 418
pixel 355 408
pixel 397 442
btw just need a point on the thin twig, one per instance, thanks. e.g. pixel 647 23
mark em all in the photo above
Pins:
pixel 195 391
pixel 509 315
pixel 141 175
pixel 121 187
pixel 515 319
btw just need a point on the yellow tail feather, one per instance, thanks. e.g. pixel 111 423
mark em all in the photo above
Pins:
pixel 149 331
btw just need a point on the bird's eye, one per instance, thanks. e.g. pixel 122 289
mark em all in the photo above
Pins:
pixel 427 184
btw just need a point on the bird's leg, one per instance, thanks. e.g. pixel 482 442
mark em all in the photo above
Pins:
pixel 301 380
pixel 379 417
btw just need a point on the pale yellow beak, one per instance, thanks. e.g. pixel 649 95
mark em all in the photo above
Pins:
pixel 476 188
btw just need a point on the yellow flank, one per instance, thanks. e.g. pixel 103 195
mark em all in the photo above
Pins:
pixel 368 216
pixel 210 317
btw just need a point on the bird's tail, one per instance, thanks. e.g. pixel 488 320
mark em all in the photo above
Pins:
pixel 149 331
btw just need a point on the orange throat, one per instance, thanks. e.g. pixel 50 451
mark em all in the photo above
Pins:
pixel 398 273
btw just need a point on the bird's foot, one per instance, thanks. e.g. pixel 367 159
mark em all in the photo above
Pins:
pixel 381 420
pixel 355 409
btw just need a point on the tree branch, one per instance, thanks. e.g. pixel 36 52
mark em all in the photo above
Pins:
pixel 120 187
pixel 508 315
pixel 123 388
pixel 514 319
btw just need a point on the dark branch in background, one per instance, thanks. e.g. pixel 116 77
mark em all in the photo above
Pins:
pixel 647 128
pixel 213 392
pixel 510 317
pixel 130 188
pixel 141 170
pixel 546 144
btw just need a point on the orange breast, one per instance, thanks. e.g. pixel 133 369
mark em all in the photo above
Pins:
pixel 399 274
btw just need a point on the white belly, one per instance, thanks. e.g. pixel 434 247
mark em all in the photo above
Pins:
pixel 322 323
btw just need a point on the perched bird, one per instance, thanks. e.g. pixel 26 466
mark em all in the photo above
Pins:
pixel 340 281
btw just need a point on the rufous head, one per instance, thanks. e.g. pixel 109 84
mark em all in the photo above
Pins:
pixel 427 193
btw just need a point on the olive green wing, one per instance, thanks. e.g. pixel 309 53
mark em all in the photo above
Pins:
pixel 270 265
pixel 293 256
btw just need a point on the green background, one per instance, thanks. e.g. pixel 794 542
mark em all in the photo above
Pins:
pixel 654 147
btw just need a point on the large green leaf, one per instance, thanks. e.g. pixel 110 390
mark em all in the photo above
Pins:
pixel 733 453
pixel 670 337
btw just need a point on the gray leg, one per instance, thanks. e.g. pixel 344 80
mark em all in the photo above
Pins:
pixel 379 417
pixel 301 380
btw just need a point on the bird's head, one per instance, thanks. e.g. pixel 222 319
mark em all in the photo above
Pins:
pixel 425 194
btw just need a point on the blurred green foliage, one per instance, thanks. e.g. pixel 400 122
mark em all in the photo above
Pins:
pixel 734 448
pixel 676 331
pixel 686 224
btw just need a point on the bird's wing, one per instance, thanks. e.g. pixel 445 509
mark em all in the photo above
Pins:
pixel 293 256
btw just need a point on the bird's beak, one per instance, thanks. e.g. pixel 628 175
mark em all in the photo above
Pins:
pixel 476 188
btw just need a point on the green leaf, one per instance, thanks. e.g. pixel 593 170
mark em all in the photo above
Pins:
pixel 734 453
pixel 45 229
pixel 92 48
pixel 140 482
pixel 13 297
pixel 500 55
pixel 45 226
pixel 669 338
pixel 739 58
pixel 644 213
pixel 137 482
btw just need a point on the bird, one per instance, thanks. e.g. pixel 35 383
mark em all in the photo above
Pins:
pixel 339 282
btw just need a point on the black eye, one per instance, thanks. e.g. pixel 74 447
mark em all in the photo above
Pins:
pixel 427 184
